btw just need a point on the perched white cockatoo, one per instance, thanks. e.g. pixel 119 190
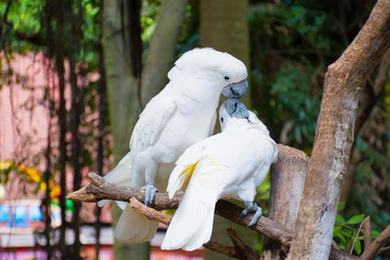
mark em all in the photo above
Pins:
pixel 183 113
pixel 230 165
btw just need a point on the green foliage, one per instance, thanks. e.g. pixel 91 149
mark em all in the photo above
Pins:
pixel 24 15
pixel 292 42
pixel 291 89
pixel 293 24
pixel 347 233
pixel 371 191
pixel 22 18
pixel 148 19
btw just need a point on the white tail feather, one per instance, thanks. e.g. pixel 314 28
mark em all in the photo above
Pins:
pixel 133 227
pixel 186 230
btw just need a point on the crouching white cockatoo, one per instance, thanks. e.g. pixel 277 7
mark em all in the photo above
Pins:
pixel 183 113
pixel 230 164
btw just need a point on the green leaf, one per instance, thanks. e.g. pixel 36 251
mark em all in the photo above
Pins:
pixel 340 220
pixel 375 234
pixel 336 230
pixel 341 239
pixel 357 247
pixel 347 233
pixel 356 219
pixel 341 205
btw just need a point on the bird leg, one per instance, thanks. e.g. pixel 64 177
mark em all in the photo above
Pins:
pixel 149 188
pixel 252 207
pixel 150 193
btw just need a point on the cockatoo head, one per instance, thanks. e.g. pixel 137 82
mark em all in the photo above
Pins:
pixel 220 69
pixel 232 111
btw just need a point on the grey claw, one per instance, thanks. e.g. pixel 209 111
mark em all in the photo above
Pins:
pixel 256 216
pixel 252 208
pixel 150 193
pixel 244 213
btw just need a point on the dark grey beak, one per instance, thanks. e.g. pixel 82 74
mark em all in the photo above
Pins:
pixel 236 109
pixel 236 90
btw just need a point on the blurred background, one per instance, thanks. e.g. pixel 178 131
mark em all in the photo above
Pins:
pixel 75 74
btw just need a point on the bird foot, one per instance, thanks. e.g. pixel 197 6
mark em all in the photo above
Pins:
pixel 150 193
pixel 251 207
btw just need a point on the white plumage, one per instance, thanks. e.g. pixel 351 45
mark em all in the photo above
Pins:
pixel 182 114
pixel 230 164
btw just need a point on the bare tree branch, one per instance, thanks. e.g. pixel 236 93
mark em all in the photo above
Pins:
pixel 245 251
pixel 384 250
pixel 150 213
pixel 99 189
pixel 156 215
pixel 367 233
pixel 376 245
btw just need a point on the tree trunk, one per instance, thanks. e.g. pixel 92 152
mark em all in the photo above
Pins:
pixel 122 66
pixel 368 99
pixel 162 48
pixel 75 155
pixel 334 135
pixel 122 97
pixel 287 183
pixel 224 27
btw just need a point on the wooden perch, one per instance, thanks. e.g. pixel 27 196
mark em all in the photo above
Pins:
pixel 99 189
pixel 165 219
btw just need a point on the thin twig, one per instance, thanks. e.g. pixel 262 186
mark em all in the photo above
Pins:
pixel 384 250
pixel 357 234
pixel 150 213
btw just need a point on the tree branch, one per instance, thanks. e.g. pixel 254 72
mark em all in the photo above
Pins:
pixel 245 251
pixel 367 233
pixel 376 245
pixel 165 219
pixel 99 189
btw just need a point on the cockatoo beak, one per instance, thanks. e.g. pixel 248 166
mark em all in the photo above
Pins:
pixel 235 90
pixel 236 109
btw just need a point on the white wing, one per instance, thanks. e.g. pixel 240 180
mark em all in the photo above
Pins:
pixel 150 123
pixel 185 166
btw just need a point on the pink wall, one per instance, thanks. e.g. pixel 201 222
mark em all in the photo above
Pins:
pixel 24 120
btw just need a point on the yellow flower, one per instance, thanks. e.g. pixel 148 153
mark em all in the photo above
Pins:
pixel 31 172
pixel 5 165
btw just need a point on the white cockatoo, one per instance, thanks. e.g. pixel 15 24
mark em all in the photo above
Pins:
pixel 183 113
pixel 229 165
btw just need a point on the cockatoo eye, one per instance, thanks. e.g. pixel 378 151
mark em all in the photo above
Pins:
pixel 226 77
pixel 222 119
